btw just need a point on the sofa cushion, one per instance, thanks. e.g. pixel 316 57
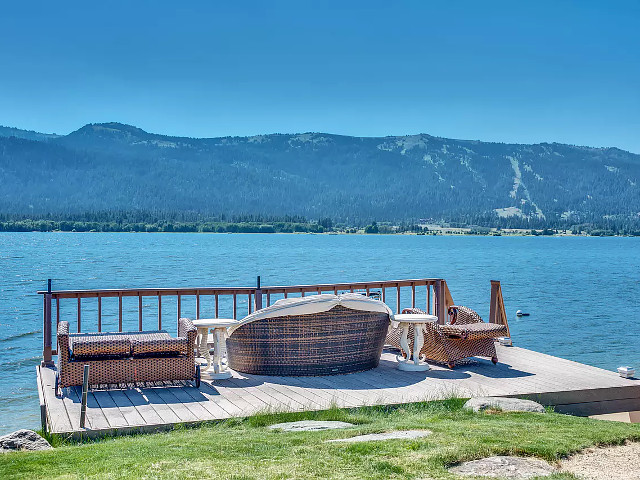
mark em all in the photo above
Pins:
pixel 98 346
pixel 474 331
pixel 141 346
pixel 93 346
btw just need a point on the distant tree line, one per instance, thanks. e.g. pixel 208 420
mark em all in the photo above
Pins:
pixel 29 225
pixel 141 221
pixel 146 221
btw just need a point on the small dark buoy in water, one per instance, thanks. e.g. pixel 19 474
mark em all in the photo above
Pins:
pixel 519 313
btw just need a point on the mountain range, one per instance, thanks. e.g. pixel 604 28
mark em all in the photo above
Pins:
pixel 112 166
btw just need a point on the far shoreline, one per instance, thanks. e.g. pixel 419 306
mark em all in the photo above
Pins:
pixel 501 233
pixel 144 222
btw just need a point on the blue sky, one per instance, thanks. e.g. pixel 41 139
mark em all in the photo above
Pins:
pixel 501 71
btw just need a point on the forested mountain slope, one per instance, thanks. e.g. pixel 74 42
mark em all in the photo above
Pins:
pixel 356 179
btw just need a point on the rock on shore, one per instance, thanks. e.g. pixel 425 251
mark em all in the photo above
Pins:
pixel 23 440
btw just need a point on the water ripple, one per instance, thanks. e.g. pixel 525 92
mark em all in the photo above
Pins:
pixel 20 335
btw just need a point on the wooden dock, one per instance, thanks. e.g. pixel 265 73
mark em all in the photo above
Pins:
pixel 568 386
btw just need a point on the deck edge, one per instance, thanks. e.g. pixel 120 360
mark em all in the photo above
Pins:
pixel 77 435
pixel 43 404
pixel 589 401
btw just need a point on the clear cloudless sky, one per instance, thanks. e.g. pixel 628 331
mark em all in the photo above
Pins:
pixel 510 71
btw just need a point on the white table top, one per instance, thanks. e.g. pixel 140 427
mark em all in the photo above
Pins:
pixel 414 318
pixel 214 322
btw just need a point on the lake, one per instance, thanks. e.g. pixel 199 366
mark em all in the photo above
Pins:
pixel 583 294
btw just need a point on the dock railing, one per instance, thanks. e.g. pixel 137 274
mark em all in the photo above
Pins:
pixel 431 293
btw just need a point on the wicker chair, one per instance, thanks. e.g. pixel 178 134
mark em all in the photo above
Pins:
pixel 126 357
pixel 466 335
pixel 335 341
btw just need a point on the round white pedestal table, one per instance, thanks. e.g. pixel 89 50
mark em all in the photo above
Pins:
pixel 418 321
pixel 216 370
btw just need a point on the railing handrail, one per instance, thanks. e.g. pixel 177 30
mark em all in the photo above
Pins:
pixel 255 299
pixel 154 292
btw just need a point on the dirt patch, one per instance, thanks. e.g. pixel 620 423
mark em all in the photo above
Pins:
pixel 504 467
pixel 606 463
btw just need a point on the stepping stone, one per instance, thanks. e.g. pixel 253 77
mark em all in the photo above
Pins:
pixel 503 403
pixel 309 426
pixel 373 437
pixel 504 467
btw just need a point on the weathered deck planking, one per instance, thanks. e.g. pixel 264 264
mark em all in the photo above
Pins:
pixel 569 386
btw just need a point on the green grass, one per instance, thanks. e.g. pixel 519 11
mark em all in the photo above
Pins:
pixel 246 449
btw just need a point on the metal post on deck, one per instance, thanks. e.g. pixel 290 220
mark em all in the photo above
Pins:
pixel 258 295
pixel 85 388
pixel 46 344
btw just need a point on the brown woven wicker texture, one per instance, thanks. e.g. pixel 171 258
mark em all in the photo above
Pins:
pixel 340 340
pixel 126 357
pixel 469 336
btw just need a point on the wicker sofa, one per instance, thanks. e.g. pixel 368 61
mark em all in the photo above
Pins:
pixel 466 335
pixel 314 335
pixel 127 357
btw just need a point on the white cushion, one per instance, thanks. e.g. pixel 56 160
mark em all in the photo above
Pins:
pixel 315 304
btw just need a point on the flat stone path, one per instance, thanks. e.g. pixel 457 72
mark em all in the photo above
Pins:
pixel 373 437
pixel 504 404
pixel 309 426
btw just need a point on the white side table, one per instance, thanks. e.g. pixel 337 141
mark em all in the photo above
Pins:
pixel 418 321
pixel 201 339
pixel 215 370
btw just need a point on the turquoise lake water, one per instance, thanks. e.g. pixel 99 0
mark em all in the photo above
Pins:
pixel 583 293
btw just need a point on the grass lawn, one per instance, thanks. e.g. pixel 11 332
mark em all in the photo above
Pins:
pixel 246 449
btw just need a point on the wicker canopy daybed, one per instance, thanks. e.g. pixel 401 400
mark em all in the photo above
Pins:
pixel 315 335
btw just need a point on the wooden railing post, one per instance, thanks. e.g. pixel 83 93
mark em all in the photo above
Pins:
pixel 448 299
pixel 99 313
pixel 79 314
pixel 440 302
pixel 258 295
pixel 235 306
pixel 119 312
pixel 493 303
pixel 46 328
pixel 497 312
pixel 413 295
